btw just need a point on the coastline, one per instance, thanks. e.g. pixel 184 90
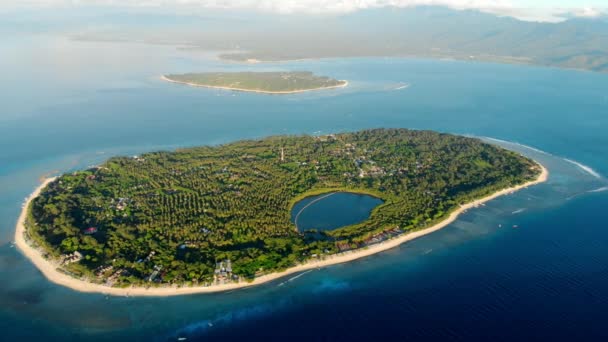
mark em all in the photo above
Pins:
pixel 49 269
pixel 345 84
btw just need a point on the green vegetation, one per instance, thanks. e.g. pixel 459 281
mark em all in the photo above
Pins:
pixel 170 217
pixel 270 82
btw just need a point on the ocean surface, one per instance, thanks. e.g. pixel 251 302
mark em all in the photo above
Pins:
pixel 332 210
pixel 67 105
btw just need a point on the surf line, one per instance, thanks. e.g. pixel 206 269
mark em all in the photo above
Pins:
pixel 299 275
pixel 584 167
pixel 517 144
pixel 295 221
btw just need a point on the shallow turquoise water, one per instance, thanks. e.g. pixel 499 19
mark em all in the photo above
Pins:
pixel 85 102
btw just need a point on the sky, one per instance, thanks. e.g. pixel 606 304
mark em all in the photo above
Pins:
pixel 535 10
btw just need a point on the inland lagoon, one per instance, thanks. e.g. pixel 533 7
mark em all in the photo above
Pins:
pixel 332 210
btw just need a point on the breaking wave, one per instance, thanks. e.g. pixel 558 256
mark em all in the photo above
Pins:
pixel 584 168
pixel 520 145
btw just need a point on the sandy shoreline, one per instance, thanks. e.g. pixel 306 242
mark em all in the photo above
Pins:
pixel 343 85
pixel 49 269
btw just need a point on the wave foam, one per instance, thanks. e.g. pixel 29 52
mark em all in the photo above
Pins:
pixel 585 168
pixel 520 145
pixel 602 189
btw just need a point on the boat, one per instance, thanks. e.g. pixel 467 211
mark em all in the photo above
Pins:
pixel 402 86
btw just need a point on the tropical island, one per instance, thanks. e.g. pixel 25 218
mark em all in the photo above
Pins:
pixel 258 82
pixel 214 218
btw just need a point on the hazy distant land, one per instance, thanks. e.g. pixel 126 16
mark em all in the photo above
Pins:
pixel 424 32
pixel 260 82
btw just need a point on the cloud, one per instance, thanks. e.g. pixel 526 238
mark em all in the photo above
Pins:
pixel 588 12
pixel 281 6
pixel 498 7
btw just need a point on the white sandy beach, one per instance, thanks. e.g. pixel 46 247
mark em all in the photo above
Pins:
pixel 164 78
pixel 49 269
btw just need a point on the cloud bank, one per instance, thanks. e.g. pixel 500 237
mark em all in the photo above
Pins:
pixel 498 7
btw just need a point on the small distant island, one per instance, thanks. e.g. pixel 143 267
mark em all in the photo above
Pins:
pixel 258 82
pixel 216 218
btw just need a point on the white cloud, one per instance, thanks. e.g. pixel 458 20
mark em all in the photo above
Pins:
pixel 281 6
pixel 588 12
pixel 499 7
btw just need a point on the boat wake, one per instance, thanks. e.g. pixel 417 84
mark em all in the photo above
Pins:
pixel 602 189
pixel 585 168
pixel 404 86
pixel 518 211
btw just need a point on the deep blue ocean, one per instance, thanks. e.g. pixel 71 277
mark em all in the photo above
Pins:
pixel 67 105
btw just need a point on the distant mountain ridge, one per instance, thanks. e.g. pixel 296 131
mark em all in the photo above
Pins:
pixel 580 43
pixel 425 31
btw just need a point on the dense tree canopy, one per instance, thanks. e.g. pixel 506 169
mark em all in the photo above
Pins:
pixel 272 82
pixel 171 216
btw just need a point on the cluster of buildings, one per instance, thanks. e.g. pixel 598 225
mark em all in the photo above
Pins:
pixel 122 203
pixel 344 245
pixel 368 168
pixel 114 276
pixel 139 159
pixel 155 273
pixel 223 272
pixel 324 138
pixel 101 270
pixel 70 258
pixel 385 235
pixel 150 255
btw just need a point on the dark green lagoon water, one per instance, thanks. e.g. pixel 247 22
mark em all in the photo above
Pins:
pixel 333 210
pixel 86 101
